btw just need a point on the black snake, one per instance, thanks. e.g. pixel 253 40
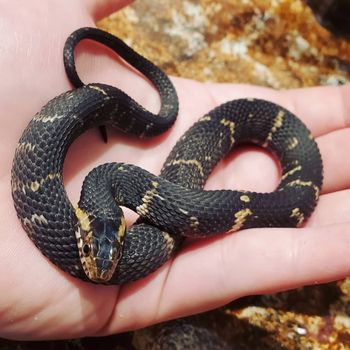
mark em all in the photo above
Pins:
pixel 90 242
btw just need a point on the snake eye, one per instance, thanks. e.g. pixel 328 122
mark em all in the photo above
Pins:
pixel 86 249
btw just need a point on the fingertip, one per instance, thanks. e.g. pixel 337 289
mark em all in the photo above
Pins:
pixel 99 9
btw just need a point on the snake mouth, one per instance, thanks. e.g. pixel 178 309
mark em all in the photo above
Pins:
pixel 104 276
pixel 103 270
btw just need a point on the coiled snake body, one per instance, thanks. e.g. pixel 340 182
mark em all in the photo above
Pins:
pixel 90 242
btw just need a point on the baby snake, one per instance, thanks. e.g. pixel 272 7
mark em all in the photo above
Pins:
pixel 90 242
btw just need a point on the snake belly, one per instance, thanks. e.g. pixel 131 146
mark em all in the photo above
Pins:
pixel 174 205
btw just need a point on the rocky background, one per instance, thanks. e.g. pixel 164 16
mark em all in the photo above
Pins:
pixel 277 43
pixel 272 43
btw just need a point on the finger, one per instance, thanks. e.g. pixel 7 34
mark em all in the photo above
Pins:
pixel 332 209
pixel 102 8
pixel 335 148
pixel 249 262
pixel 323 109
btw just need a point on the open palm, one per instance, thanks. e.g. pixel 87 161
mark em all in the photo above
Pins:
pixel 39 301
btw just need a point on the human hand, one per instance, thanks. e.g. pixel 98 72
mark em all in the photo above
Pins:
pixel 38 301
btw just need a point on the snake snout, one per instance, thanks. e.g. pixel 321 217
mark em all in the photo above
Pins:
pixel 108 241
pixel 104 270
pixel 100 242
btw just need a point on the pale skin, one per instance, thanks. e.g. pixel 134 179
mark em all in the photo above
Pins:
pixel 38 301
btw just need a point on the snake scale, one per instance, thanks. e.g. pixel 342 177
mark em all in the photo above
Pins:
pixel 91 241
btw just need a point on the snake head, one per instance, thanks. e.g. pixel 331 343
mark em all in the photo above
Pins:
pixel 100 243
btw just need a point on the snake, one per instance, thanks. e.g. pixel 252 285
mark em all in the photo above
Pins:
pixel 90 241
